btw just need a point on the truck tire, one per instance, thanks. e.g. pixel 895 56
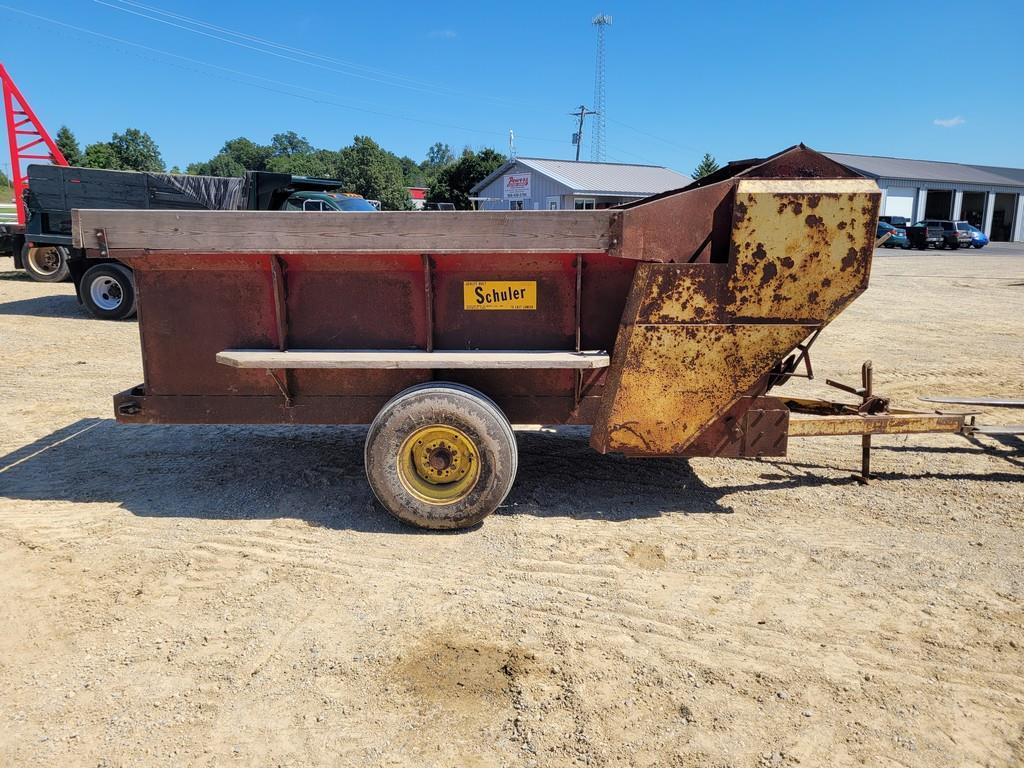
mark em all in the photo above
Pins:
pixel 46 263
pixel 441 455
pixel 108 291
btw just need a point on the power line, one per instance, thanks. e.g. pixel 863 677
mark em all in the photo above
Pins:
pixel 653 136
pixel 292 49
pixel 261 45
pixel 615 152
pixel 371 109
pixel 272 81
pixel 600 21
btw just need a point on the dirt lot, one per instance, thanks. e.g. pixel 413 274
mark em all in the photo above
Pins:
pixel 231 596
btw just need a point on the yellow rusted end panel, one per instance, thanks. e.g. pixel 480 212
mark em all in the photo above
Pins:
pixel 679 378
pixel 802 248
pixel 696 337
pixel 887 424
pixel 679 293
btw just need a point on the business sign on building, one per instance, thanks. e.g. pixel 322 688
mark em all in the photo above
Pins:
pixel 517 186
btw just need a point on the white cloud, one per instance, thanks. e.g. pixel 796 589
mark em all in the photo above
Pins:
pixel 446 34
pixel 949 122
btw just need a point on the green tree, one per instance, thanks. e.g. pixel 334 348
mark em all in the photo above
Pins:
pixel 438 156
pixel 235 158
pixel 374 173
pixel 136 151
pixel 4 180
pixel 705 167
pixel 101 155
pixel 289 144
pixel 318 163
pixel 68 146
pixel 454 181
pixel 412 173
pixel 252 156
pixel 220 165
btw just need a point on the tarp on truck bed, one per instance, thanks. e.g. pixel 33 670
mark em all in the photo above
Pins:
pixel 54 191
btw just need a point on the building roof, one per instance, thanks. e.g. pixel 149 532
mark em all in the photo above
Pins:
pixel 930 170
pixel 621 179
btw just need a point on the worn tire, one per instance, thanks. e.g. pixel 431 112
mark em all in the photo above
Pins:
pixel 108 291
pixel 389 450
pixel 46 263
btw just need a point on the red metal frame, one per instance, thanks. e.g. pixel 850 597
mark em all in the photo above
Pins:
pixel 22 121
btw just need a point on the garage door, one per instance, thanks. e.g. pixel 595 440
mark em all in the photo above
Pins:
pixel 899 201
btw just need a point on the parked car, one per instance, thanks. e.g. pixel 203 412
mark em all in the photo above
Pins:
pixel 978 238
pixel 898 237
pixel 963 235
pixel 934 232
pixel 901 222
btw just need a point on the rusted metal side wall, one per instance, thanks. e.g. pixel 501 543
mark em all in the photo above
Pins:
pixel 194 305
pixel 697 337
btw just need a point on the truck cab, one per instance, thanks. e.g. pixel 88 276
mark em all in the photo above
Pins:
pixel 327 201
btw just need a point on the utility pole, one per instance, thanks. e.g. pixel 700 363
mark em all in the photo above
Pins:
pixel 577 138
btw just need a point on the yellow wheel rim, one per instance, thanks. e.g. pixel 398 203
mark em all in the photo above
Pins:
pixel 439 464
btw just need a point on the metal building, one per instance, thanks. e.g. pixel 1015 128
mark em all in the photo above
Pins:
pixel 537 184
pixel 989 197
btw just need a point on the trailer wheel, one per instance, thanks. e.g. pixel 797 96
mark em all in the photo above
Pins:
pixel 108 291
pixel 441 455
pixel 46 263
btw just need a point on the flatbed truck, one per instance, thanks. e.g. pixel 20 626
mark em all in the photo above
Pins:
pixel 106 287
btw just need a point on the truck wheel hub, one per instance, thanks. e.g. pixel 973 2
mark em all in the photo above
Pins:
pixel 106 293
pixel 46 261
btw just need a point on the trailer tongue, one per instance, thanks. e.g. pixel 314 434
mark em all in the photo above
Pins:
pixel 665 325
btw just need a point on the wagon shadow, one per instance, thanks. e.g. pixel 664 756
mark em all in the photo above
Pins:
pixel 208 472
pixel 57 305
pixel 560 475
pixel 315 474
pixel 1009 448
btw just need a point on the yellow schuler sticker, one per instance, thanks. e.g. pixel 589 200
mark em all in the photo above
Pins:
pixel 499 294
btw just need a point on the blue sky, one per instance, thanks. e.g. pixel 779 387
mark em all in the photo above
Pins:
pixel 938 81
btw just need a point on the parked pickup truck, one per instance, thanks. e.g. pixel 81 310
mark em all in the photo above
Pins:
pixel 934 232
pixel 106 287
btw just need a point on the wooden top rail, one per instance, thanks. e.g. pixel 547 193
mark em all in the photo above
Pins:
pixel 384 232
pixel 395 358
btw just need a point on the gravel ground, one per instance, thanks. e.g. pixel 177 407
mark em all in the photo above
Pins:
pixel 212 596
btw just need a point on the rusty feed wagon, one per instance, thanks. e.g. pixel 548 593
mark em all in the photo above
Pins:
pixel 665 325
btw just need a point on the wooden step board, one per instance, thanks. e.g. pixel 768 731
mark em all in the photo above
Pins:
pixel 393 358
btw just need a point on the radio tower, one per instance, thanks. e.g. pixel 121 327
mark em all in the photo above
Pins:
pixel 597 143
